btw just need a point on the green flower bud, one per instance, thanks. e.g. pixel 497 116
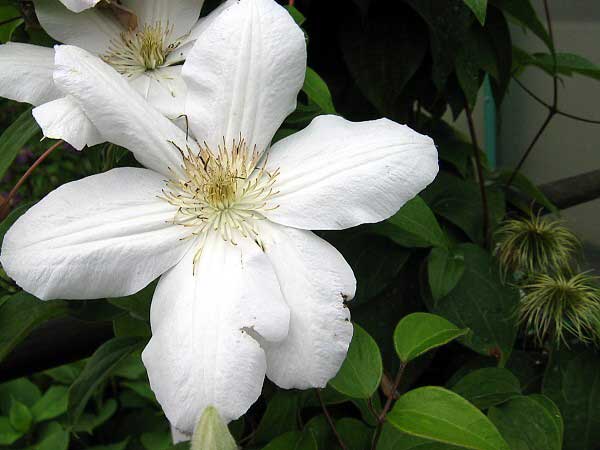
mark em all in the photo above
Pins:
pixel 212 433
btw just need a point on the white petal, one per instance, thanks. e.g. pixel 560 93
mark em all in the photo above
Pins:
pixel 199 27
pixel 180 14
pixel 203 349
pixel 164 89
pixel 64 119
pixel 79 5
pixel 26 73
pixel 120 114
pixel 337 174
pixel 244 74
pixel 92 29
pixel 106 235
pixel 315 280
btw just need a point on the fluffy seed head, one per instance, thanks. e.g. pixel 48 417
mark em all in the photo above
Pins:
pixel 561 305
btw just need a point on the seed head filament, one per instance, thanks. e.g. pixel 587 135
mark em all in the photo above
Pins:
pixel 224 191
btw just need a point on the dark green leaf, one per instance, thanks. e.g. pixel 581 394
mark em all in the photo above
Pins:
pixel 8 434
pixel 20 315
pixel 88 422
pixel 296 15
pixel 138 304
pixel 566 64
pixel 316 89
pixel 7 13
pixel 488 387
pixel 525 186
pixel 156 440
pixel 445 268
pixel 15 137
pixel 459 201
pixel 527 425
pixel 482 303
pixel 441 415
pixel 98 368
pixel 118 446
pixel 572 381
pixel 20 417
pixel 127 325
pixel 294 440
pixel 525 14
pixel 355 434
pixel 413 226
pixel 361 372
pixel 280 416
pixel 52 404
pixel 383 53
pixel 394 439
pixel 479 8
pixel 420 332
pixel 54 437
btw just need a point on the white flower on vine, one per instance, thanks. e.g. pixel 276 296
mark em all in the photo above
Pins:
pixel 149 56
pixel 245 290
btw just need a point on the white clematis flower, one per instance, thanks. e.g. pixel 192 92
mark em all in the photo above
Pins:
pixel 246 290
pixel 148 57
pixel 79 5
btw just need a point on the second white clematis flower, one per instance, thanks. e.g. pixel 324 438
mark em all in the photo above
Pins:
pixel 245 289
pixel 148 56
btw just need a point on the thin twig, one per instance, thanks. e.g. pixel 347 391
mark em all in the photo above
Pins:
pixel 7 21
pixel 547 105
pixel 388 405
pixel 552 109
pixel 480 179
pixel 5 207
pixel 330 421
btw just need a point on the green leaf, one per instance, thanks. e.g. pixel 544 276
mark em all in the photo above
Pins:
pixel 459 201
pixel 394 439
pixel 54 437
pixel 20 417
pixel 354 433
pixel 525 186
pixel 572 382
pixel 374 261
pixel 526 424
pixel 280 416
pixel 383 53
pixel 88 422
pixel 7 13
pixel 413 226
pixel 22 390
pixel 479 8
pixel 138 304
pixel 316 89
pixel 445 268
pixel 52 404
pixel 15 137
pixel 484 304
pixel 552 410
pixel 98 368
pixel 141 388
pixel 212 433
pixel 118 446
pixel 488 387
pixel 526 15
pixel 420 332
pixel 294 440
pixel 8 435
pixel 361 372
pixel 156 440
pixel 66 374
pixel 441 415
pixel 296 15
pixel 20 315
pixel 127 325
pixel 566 64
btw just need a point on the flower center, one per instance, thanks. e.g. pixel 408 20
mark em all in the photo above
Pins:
pixel 142 50
pixel 225 191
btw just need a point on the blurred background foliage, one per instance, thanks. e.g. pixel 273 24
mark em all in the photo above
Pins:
pixel 448 269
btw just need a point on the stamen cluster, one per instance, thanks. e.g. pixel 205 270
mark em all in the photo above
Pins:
pixel 224 190
pixel 142 50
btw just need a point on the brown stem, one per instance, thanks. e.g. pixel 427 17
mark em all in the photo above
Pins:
pixel 388 405
pixel 5 208
pixel 480 179
pixel 330 421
